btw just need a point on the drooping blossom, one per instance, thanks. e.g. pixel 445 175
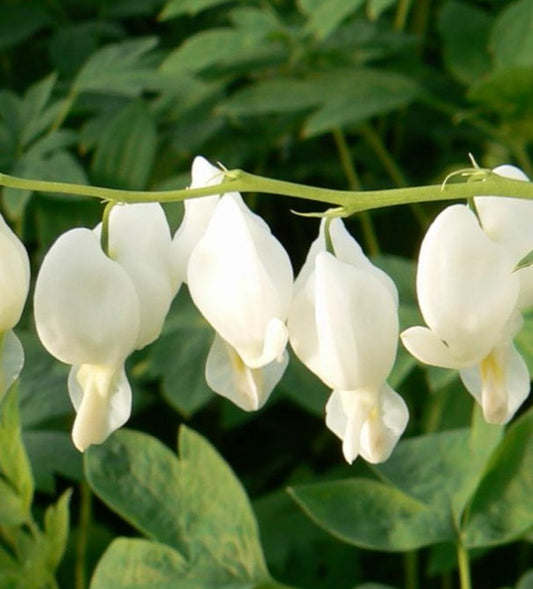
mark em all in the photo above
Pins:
pixel 343 326
pixel 468 295
pixel 240 278
pixel 92 310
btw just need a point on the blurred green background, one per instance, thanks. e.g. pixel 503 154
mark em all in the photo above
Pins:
pixel 348 94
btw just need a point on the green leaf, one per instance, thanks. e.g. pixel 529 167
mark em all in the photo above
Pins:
pixel 120 68
pixel 210 48
pixel 194 504
pixel 135 564
pixel 16 482
pixel 56 528
pixel 329 14
pixel 355 96
pixel 427 483
pixel 525 262
pixel 501 509
pixel 126 150
pixel 511 41
pixel 464 29
pixel 174 8
pixel 272 96
pixel 370 514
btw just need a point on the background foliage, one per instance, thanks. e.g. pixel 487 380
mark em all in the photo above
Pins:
pixel 336 93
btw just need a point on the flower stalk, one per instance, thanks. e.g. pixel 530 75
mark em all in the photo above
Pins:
pixel 241 181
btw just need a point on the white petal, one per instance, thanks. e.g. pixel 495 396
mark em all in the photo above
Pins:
pixel 508 221
pixel 240 277
pixel 198 213
pixel 229 376
pixel 500 383
pixel 139 240
pixel 357 326
pixel 466 287
pixel 101 396
pixel 14 277
pixel 12 360
pixel 86 307
pixel 346 250
pixel 426 346
pixel 346 412
pixel 384 426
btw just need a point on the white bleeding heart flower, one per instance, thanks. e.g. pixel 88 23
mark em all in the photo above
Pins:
pixel 240 278
pixel 93 310
pixel 14 285
pixel 509 222
pixel 343 326
pixel 468 296
pixel 87 314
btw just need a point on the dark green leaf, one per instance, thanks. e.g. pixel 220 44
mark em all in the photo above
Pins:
pixel 464 29
pixel 126 149
pixel 16 482
pixel 194 504
pixel 21 21
pixel 140 564
pixel 511 41
pixel 501 509
pixel 56 528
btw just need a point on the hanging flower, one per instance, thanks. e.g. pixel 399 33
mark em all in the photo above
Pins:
pixel 93 310
pixel 14 285
pixel 198 213
pixel 343 326
pixel 509 222
pixel 468 295
pixel 240 278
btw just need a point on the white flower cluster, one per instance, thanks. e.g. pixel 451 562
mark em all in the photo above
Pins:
pixel 94 308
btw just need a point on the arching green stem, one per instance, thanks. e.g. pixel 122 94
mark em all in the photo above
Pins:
pixel 350 201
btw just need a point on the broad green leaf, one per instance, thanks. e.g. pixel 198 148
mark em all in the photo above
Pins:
pixel 174 8
pixel 182 373
pixel 443 469
pixel 194 504
pixel 127 8
pixel 356 96
pixel 56 528
pixel 210 48
pixel 501 509
pixel 273 96
pixel 371 515
pixel 511 41
pixel 427 482
pixel 329 14
pixel 140 564
pixel 16 483
pixel 120 68
pixel 464 29
pixel 125 153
